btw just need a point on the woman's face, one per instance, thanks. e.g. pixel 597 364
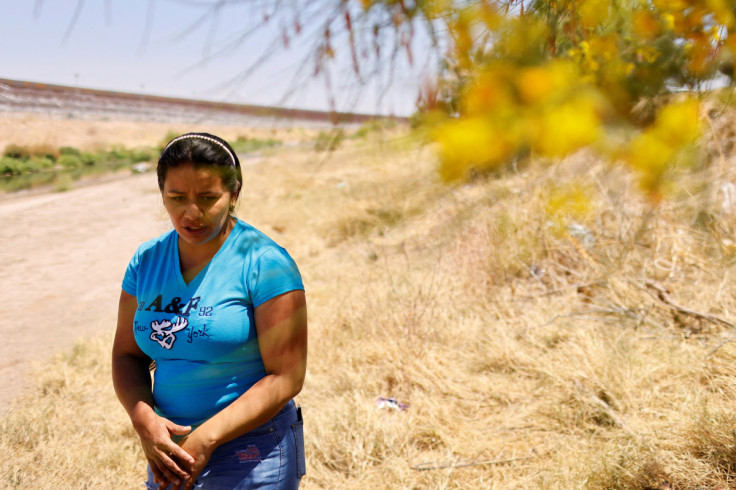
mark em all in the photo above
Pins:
pixel 197 202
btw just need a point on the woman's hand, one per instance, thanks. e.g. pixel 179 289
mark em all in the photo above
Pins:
pixel 165 457
pixel 200 450
pixel 132 381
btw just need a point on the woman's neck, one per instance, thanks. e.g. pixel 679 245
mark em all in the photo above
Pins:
pixel 194 258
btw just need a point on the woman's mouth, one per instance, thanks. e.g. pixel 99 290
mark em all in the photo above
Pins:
pixel 195 230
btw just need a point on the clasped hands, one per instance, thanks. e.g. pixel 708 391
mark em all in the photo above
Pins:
pixel 173 464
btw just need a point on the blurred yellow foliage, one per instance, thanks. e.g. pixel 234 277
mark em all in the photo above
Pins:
pixel 551 77
pixel 645 25
pixel 510 110
pixel 679 123
pixel 594 12
pixel 663 146
pixel 471 143
pixel 566 127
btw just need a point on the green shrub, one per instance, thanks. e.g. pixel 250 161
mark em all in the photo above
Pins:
pixel 20 160
pixel 17 166
pixel 170 135
pixel 12 166
pixel 243 144
pixel 71 161
pixel 118 153
pixel 70 150
pixel 44 150
pixel 91 159
pixel 84 157
pixel 17 152
pixel 143 154
pixel 21 152
pixel 329 140
pixel 374 125
pixel 39 163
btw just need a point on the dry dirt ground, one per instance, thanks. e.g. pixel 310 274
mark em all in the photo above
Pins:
pixel 63 255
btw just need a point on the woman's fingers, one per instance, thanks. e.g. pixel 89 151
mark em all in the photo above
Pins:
pixel 158 475
pixel 172 471
pixel 177 429
pixel 180 454
pixel 170 463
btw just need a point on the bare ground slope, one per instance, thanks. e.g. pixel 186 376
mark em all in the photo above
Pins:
pixel 61 263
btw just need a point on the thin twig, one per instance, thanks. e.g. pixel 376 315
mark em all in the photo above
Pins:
pixel 662 297
pixel 723 342
pixel 148 26
pixel 595 314
pixel 37 7
pixel 437 465
pixel 73 21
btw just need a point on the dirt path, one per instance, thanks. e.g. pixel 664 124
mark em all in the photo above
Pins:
pixel 62 257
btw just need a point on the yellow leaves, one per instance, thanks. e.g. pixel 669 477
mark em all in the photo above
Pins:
pixel 647 54
pixel 671 5
pixel 650 157
pixel 566 128
pixel 678 123
pixel 509 110
pixel 663 147
pixel 520 39
pixel 604 47
pixel 721 11
pixel 645 25
pixel 536 84
pixel 490 93
pixel 700 54
pixel 471 143
pixel 668 20
pixel 561 113
pixel 594 12
pixel 541 85
pixel 435 9
pixel 464 32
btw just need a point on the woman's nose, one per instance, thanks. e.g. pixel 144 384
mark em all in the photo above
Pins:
pixel 192 211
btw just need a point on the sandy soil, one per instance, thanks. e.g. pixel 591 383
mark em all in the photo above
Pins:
pixel 63 255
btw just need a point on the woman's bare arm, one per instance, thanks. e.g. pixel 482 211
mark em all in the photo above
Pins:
pixel 281 324
pixel 132 382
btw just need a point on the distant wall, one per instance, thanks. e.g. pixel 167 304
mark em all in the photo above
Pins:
pixel 22 96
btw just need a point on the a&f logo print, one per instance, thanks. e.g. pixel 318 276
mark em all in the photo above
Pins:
pixel 163 331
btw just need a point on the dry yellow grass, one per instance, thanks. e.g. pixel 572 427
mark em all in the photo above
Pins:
pixel 535 351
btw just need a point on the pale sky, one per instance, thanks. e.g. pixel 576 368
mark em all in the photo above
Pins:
pixel 110 47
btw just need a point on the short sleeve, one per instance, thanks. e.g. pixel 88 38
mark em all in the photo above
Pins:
pixel 274 273
pixel 130 280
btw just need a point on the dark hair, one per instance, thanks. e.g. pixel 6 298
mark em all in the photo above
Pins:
pixel 201 150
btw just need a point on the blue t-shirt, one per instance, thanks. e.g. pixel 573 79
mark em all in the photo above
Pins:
pixel 202 335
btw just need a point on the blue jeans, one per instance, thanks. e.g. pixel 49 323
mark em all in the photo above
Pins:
pixel 268 457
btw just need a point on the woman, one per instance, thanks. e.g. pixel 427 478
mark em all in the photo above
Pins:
pixel 221 309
